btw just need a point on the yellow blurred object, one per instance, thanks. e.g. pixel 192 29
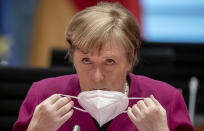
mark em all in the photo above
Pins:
pixel 4 46
pixel 52 17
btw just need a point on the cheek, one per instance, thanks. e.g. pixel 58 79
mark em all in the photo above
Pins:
pixel 82 75
pixel 84 81
pixel 124 69
pixel 117 79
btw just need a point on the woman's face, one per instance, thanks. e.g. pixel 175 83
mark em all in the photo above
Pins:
pixel 102 70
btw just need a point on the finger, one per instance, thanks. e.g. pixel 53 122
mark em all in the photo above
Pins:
pixel 141 105
pixel 131 115
pixel 61 102
pixel 52 99
pixel 155 100
pixel 67 116
pixel 149 102
pixel 66 108
pixel 135 110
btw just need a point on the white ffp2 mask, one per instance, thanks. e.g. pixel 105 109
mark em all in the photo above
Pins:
pixel 103 105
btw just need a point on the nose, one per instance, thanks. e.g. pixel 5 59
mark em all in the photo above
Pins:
pixel 98 75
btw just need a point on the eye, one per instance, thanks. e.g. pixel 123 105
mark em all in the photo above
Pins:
pixel 86 61
pixel 110 61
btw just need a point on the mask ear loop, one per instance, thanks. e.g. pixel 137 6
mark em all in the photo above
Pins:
pixel 75 97
pixel 134 98
pixel 82 110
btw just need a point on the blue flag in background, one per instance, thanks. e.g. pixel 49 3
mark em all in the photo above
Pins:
pixel 16 21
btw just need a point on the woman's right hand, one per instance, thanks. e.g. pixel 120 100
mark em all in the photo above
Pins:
pixel 50 114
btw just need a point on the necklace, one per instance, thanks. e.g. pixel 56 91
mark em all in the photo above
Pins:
pixel 126 88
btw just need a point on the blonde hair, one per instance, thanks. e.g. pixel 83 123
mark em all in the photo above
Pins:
pixel 93 27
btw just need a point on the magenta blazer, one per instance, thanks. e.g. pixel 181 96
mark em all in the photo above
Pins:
pixel 140 86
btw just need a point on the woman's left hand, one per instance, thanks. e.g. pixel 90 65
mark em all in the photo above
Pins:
pixel 148 115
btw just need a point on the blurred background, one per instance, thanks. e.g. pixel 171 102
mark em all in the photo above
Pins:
pixel 32 43
pixel 31 29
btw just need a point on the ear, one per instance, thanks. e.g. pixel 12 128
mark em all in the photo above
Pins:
pixel 131 63
pixel 73 62
pixel 73 59
pixel 129 67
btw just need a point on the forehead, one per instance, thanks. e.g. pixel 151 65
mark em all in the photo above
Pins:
pixel 113 47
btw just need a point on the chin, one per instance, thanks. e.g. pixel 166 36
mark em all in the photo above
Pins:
pixel 104 89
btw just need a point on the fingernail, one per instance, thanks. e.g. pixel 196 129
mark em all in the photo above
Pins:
pixel 61 95
pixel 128 110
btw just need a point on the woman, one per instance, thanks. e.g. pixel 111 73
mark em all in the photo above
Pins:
pixel 103 43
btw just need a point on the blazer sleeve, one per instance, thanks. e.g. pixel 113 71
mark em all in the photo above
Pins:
pixel 180 120
pixel 27 108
